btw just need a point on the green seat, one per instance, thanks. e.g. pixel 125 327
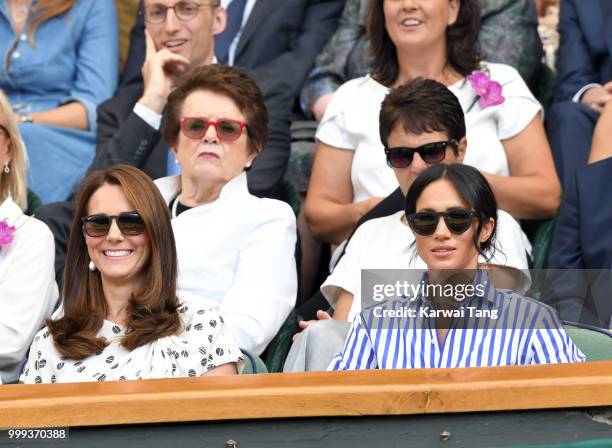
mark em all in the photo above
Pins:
pixel 34 203
pixel 253 364
pixel 540 234
pixel 595 343
pixel 278 348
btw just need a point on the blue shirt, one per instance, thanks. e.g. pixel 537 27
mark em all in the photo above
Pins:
pixel 505 329
pixel 74 57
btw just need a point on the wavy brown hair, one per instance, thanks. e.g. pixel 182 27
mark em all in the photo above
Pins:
pixel 462 48
pixel 44 10
pixel 152 311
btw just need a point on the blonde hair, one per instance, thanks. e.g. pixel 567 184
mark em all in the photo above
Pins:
pixel 13 184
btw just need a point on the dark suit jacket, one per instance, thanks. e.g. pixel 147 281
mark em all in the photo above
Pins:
pixel 280 36
pixel 583 240
pixel 585 50
pixel 123 137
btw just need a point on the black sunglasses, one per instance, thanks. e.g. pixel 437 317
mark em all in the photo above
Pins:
pixel 457 221
pixel 129 223
pixel 401 157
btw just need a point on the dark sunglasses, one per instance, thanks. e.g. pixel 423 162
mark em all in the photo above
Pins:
pixel 457 221
pixel 227 130
pixel 434 152
pixel 129 223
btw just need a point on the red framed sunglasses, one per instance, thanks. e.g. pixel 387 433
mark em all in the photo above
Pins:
pixel 195 128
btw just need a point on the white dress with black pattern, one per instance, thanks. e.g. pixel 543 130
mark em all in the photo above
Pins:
pixel 203 344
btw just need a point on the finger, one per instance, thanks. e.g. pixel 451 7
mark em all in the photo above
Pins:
pixel 596 107
pixel 166 55
pixel 149 45
pixel 323 315
pixel 303 324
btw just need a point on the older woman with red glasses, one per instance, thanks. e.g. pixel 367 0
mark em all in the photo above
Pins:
pixel 236 251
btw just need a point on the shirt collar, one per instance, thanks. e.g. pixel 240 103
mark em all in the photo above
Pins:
pixel 10 211
pixel 170 186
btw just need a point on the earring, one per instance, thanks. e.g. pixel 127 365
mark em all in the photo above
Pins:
pixel 177 162
pixel 7 168
pixel 92 266
pixel 248 165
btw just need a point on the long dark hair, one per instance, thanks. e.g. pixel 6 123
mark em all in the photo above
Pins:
pixel 473 188
pixel 462 47
pixel 152 311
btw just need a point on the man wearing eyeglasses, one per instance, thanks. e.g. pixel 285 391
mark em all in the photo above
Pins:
pixel 178 35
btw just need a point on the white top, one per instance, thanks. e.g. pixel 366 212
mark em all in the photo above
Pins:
pixel 202 344
pixel 351 122
pixel 236 255
pixel 28 292
pixel 385 243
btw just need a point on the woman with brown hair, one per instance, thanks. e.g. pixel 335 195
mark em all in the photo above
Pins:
pixel 433 39
pixel 122 318
pixel 59 61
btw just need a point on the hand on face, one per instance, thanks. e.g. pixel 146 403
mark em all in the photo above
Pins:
pixel 158 71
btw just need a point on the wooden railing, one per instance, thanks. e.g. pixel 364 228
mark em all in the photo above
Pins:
pixel 390 392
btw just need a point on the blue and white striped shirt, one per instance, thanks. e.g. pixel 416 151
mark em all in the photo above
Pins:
pixel 522 331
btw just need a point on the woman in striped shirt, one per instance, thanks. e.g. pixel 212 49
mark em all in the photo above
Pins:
pixel 456 318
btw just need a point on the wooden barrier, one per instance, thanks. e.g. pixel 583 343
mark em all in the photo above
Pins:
pixel 323 394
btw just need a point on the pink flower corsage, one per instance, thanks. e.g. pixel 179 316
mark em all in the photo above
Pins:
pixel 489 92
pixel 6 233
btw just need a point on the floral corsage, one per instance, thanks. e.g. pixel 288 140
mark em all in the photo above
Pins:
pixel 488 92
pixel 6 233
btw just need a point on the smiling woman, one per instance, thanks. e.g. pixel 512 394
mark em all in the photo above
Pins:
pixel 122 318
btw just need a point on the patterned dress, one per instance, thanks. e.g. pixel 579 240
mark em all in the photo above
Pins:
pixel 203 344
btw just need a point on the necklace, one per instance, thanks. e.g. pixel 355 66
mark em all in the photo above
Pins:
pixel 20 12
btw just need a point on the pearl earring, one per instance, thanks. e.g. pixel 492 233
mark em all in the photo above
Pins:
pixel 92 266
pixel 7 168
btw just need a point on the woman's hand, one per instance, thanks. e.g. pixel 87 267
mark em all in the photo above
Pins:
pixel 532 189
pixel 329 209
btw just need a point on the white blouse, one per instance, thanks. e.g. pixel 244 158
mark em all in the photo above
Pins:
pixel 202 344
pixel 237 255
pixel 28 292
pixel 351 122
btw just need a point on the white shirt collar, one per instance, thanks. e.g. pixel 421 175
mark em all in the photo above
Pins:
pixel 170 186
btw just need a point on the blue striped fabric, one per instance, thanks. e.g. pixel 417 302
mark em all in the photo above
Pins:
pixel 524 332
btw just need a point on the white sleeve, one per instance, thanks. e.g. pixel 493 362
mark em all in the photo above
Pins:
pixel 152 118
pixel 28 291
pixel 265 282
pixel 347 272
pixel 576 98
pixel 519 107
pixel 512 245
pixel 333 130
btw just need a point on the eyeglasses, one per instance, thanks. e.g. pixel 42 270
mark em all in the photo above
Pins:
pixel 184 11
pixel 457 221
pixel 401 157
pixel 129 223
pixel 227 130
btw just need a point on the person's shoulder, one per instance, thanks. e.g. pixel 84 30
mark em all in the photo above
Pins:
pixel 197 317
pixel 33 233
pixel 267 209
pixel 530 305
pixel 42 342
pixel 124 98
pixel 501 73
pixel 354 85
